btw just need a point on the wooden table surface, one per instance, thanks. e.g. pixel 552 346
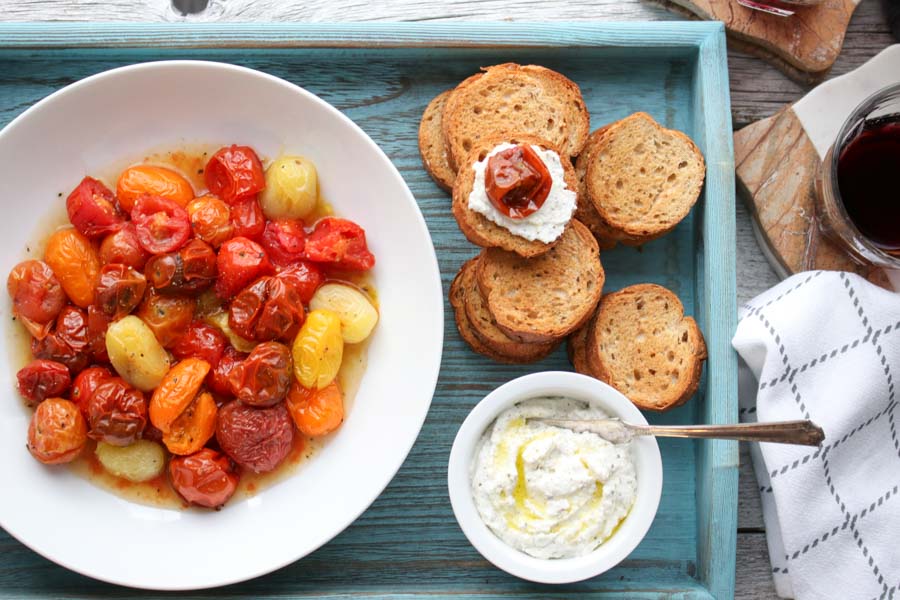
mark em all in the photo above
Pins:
pixel 757 90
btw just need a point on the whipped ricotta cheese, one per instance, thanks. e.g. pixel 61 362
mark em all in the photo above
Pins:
pixel 547 491
pixel 545 224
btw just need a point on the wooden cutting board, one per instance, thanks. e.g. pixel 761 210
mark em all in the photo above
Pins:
pixel 804 45
pixel 776 161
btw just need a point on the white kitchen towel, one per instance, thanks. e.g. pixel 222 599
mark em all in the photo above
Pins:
pixel 825 346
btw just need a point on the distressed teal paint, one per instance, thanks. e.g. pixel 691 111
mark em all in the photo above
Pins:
pixel 382 75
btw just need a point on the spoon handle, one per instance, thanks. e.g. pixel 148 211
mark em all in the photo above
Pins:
pixel 805 433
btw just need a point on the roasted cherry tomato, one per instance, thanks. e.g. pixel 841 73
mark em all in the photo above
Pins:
pixel 284 241
pixel 316 412
pixel 84 386
pixel 339 243
pixel 268 309
pixel 239 262
pixel 305 277
pixel 57 432
pixel 123 247
pixel 141 180
pixel 97 324
pixel 176 391
pixel 201 341
pixel 190 270
pixel 37 296
pixel 92 209
pixel 194 427
pixel 234 173
pixel 162 225
pixel 264 377
pixel 257 439
pixel 206 478
pixel 41 379
pixel 119 290
pixel 75 263
pixel 117 412
pixel 218 379
pixel 166 316
pixel 211 220
pixel 68 342
pixel 517 181
pixel 247 219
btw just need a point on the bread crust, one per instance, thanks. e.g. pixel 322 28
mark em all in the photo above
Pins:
pixel 525 296
pixel 432 146
pixel 475 226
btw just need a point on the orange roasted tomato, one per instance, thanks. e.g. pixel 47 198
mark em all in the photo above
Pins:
pixel 139 180
pixel 167 316
pixel 75 263
pixel 206 478
pixel 57 432
pixel 316 412
pixel 37 296
pixel 176 391
pixel 211 220
pixel 194 427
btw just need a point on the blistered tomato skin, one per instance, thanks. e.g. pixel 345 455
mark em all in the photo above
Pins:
pixel 162 225
pixel 92 209
pixel 119 290
pixel 258 439
pixel 191 270
pixel 211 220
pixel 247 219
pixel 37 296
pixel 206 478
pixel 68 343
pixel 57 432
pixel 234 173
pixel 268 309
pixel 41 379
pixel 305 277
pixel 167 316
pixel 218 379
pixel 201 341
pixel 339 243
pixel 122 247
pixel 117 413
pixel 75 264
pixel 84 386
pixel 284 241
pixel 240 261
pixel 141 180
pixel 264 377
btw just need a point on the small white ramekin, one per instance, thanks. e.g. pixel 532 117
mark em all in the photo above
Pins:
pixel 648 465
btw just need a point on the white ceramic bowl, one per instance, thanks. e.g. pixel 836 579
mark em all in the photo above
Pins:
pixel 114 118
pixel 648 465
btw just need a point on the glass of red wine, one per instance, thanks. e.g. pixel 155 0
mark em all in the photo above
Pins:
pixel 858 195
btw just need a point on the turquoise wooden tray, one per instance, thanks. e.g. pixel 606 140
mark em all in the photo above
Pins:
pixel 382 76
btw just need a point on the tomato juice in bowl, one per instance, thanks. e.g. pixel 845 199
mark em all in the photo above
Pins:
pixel 93 128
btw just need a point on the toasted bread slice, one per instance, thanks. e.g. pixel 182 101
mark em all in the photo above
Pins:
pixel 486 329
pixel 643 178
pixel 641 343
pixel 475 226
pixel 585 211
pixel 546 297
pixel 576 349
pixel 432 146
pixel 511 98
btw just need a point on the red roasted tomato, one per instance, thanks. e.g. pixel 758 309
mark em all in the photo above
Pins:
pixel 217 380
pixel 264 377
pixel 166 316
pixel 257 439
pixel 201 341
pixel 234 173
pixel 119 290
pixel 117 413
pixel 41 379
pixel 247 218
pixel 305 277
pixel 123 247
pixel 240 261
pixel 162 225
pixel 205 478
pixel 68 342
pixel 284 241
pixel 92 209
pixel 84 385
pixel 268 309
pixel 191 270
pixel 339 243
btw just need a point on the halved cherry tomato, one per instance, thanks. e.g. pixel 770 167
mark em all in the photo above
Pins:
pixel 85 384
pixel 176 391
pixel 162 225
pixel 92 209
pixel 57 432
pixel 206 478
pixel 316 412
pixel 190 270
pixel 305 277
pixel 211 220
pixel 166 316
pixel 247 218
pixel 119 290
pixel 194 427
pixel 239 262
pixel 268 309
pixel 264 377
pixel 117 413
pixel 139 180
pixel 37 296
pixel 201 341
pixel 284 241
pixel 41 379
pixel 123 247
pixel 339 243
pixel 75 263
pixel 234 173
pixel 68 342
pixel 218 379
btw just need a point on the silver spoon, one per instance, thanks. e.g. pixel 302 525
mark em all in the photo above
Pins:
pixel 615 431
